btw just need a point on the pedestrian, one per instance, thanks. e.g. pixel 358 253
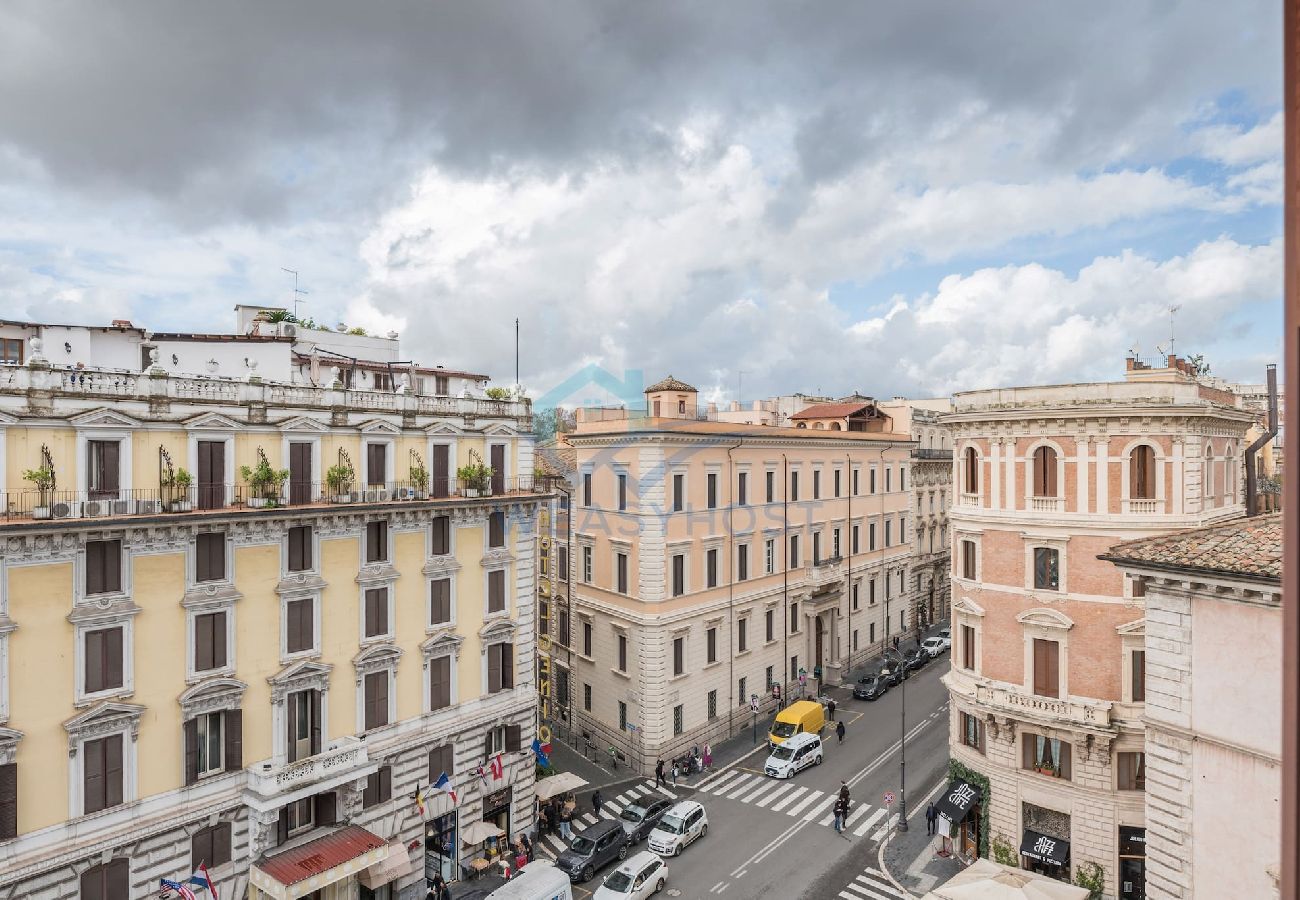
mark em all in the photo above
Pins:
pixel 566 828
pixel 543 818
pixel 708 757
pixel 839 731
pixel 895 642
pixel 839 815
pixel 596 801
pixel 528 846
pixel 830 708
pixel 674 774
pixel 931 819
pixel 844 790
pixel 659 772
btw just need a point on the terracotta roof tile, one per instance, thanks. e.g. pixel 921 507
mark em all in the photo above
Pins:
pixel 669 384
pixel 830 410
pixel 1246 547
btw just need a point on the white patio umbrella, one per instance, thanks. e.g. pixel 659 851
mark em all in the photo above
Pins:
pixel 478 832
pixel 987 880
pixel 560 783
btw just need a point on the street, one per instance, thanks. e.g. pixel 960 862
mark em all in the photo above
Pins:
pixel 770 838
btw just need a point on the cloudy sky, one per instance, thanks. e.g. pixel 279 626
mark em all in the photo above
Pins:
pixel 903 198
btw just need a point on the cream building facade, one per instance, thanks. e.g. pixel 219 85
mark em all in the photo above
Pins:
pixel 1046 695
pixel 198 668
pixel 716 563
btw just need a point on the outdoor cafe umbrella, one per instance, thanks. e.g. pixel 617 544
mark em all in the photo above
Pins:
pixel 478 832
pixel 555 785
pixel 987 880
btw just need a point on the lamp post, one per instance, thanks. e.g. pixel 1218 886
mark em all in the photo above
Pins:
pixel 902 739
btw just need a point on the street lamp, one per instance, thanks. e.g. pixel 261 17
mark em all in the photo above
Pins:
pixel 902 739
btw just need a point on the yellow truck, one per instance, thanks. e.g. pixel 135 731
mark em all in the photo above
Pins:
pixel 802 717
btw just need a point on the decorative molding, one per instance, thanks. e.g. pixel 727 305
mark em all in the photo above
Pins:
pixel 210 595
pixel 102 719
pixel 378 426
pixel 441 644
pixel 1044 618
pixel 212 695
pixel 303 675
pixel 103 418
pixel 95 611
pixel 376 658
pixel 212 421
pixel 436 566
pixel 301 583
pixel 377 574
pixel 304 424
pixel 9 739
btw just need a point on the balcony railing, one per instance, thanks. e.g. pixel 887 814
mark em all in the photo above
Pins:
pixel 1046 504
pixel 1091 713
pixel 35 505
pixel 824 572
pixel 339 761
pixel 927 453
pixel 1142 507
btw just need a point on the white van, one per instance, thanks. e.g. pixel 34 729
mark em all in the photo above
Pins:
pixel 539 880
pixel 799 752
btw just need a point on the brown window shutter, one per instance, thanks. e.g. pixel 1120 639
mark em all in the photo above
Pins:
pixel 315 721
pixel 376 691
pixel 496 591
pixel 92 769
pixel 221 844
pixel 440 683
pixel 191 751
pixel 219 640
pixel 92 884
pixel 291 710
pixel 295 550
pixel 514 738
pixel 1124 771
pixel 507 665
pixel 441 535
pixel 113 566
pixel 1139 676
pixel 385 783
pixel 94 663
pixel 1027 742
pixel 282 826
pixel 203 643
pixel 440 601
pixel 487 744
pixel 95 567
pixel 113 770
pixel 326 808
pixel 496 529
pixel 201 848
pixel 979 726
pixel 441 475
pixel 494 668
pixel 8 801
pixel 112 658
pixel 109 467
pixel 234 728
pixel 1066 772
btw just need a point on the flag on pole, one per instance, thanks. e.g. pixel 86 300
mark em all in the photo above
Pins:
pixel 181 890
pixel 482 776
pixel 498 767
pixel 542 751
pixel 419 799
pixel 210 884
pixel 445 785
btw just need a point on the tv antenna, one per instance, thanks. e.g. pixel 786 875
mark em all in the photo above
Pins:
pixel 298 293
pixel 740 380
pixel 1172 310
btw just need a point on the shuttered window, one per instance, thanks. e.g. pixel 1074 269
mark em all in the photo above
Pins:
pixel 971 472
pixel 375 689
pixel 712 488
pixel 102 773
pixel 496 591
pixel 441 761
pixel 103 466
pixel 679 656
pixel 711 568
pixel 300 634
pixel 679 492
pixel 300 548
pixel 376 612
pixel 501 667
pixel 103 660
pixel 622 653
pixel 711 645
pixel 1131 771
pixel 497 529
pixel 620 565
pixel 1139 660
pixel 742 489
pixel 1142 473
pixel 440 536
pixel 972 731
pixel 1044 472
pixel 514 738
pixel 742 562
pixel 679 575
pixel 209 641
pixel 817 484
pixel 214 742
pixel 8 801
pixel 103 567
pixel 376 464
pixel 210 846
pixel 210 556
pixel 622 491
pixel 303 724
pixel 377 541
pixel 440 682
pixel 742 635
pixel 968 559
pixel 794 486
pixel 108 881
pixel 440 601
pixel 771 486
pixel 967 647
pixel 793 561
pixel 1046 668
pixel 379 787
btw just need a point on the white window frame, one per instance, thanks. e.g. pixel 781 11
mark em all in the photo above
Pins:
pixel 389 539
pixel 617 549
pixel 1048 625
pixel 967 612
pixel 958 568
pixel 508 611
pixel 79 565
pixel 314 568
pixel 769 556
pixel 1033 543
pixel 441 647
pixel 389 587
pixel 193 436
pixel 429 625
pixel 318 487
pixel 442 439
pixel 123 620
pixel 77 772
pixel 88 433
pixel 1126 459
pixel 315 650
pixel 228 557
pixel 363 671
pixel 220 769
pixel 199 607
pixel 487 645
pixel 390 460
pixel 673 474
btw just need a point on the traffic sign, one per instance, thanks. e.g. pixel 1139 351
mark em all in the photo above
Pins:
pixel 889 797
pixel 753 702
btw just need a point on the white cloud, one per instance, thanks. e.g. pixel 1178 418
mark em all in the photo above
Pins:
pixel 1234 146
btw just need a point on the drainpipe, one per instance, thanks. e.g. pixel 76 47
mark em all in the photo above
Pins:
pixel 731 588
pixel 785 574
pixel 884 638
pixel 1251 477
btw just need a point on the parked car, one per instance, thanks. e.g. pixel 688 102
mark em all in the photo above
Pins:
pixel 681 826
pixel 640 817
pixel 945 634
pixel 593 848
pixel 915 659
pixel 934 646
pixel 869 687
pixel 893 673
pixel 539 880
pixel 644 875
pixel 796 754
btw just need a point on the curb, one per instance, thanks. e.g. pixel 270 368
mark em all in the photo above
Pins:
pixel 880 864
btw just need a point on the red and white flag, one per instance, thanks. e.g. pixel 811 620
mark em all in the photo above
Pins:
pixel 498 767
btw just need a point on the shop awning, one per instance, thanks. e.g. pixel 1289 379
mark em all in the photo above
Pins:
pixel 1045 849
pixel 958 799
pixel 301 870
pixel 392 867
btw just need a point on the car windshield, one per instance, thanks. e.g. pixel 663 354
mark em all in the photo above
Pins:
pixel 783 729
pixel 633 814
pixel 583 846
pixel 672 824
pixel 620 882
pixel 782 753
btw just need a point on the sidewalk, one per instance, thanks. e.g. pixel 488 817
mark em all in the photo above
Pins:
pixel 911 857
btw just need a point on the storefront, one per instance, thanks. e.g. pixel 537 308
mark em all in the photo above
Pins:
pixel 440 848
pixel 1132 863
pixel 959 818
pixel 496 809
pixel 1045 855
pixel 380 881
pixel 328 868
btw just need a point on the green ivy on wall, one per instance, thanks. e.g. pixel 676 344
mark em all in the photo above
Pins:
pixel 1004 852
pixel 1092 876
pixel 970 776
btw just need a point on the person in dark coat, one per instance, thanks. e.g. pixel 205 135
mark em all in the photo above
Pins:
pixel 596 801
pixel 830 709
pixel 839 731
pixel 931 819
pixel 659 772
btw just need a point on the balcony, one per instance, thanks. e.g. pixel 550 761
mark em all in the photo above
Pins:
pixel 926 453
pixel 1047 504
pixel 345 759
pixel 1073 711
pixel 1143 507
pixel 825 574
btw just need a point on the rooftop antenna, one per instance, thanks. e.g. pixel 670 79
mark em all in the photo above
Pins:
pixel 740 381
pixel 1172 310
pixel 516 353
pixel 297 293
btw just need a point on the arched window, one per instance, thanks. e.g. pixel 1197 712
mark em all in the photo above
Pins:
pixel 802 425
pixel 1142 473
pixel 1207 488
pixel 1044 472
pixel 972 471
pixel 835 426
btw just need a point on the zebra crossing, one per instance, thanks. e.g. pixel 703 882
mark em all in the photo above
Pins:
pixel 552 845
pixel 871 884
pixel 799 802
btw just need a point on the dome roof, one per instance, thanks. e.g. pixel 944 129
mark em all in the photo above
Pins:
pixel 670 384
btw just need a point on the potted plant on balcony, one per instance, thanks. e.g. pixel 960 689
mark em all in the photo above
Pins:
pixel 339 480
pixel 420 481
pixel 498 393
pixel 180 493
pixel 264 483
pixel 43 478
pixel 476 479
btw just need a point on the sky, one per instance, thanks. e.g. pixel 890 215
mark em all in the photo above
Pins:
pixel 899 199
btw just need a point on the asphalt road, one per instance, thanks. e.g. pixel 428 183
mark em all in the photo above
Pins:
pixel 771 838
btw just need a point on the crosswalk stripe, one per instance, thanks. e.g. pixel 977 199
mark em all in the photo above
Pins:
pixel 798 807
pixel 868 892
pixel 872 889
pixel 621 798
pixel 763 788
pixel 858 890
pixel 777 807
pixel 847 896
pixel 736 788
pixel 556 843
pixel 667 793
pixel 877 879
pixel 855 816
pixel 884 829
pixel 713 787
pixel 589 818
pixel 816 811
pixel 780 789
pixel 826 820
pixel 866 826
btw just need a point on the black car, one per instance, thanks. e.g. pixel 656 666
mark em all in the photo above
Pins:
pixel 915 659
pixel 640 817
pixel 893 673
pixel 593 848
pixel 869 687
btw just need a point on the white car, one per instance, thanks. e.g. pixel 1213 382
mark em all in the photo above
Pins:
pixel 934 646
pixel 796 754
pixel 945 634
pixel 680 826
pixel 644 875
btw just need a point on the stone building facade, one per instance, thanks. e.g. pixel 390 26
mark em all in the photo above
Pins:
pixel 1045 703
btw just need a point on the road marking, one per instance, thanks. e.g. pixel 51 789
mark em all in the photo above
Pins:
pixel 815 811
pixel 669 794
pixel 797 791
pixel 780 789
pixel 874 888
pixel 611 805
pixel 776 841
pixel 742 872
pixel 866 826
pixel 761 789
pixel 798 807
pixel 712 786
pixel 868 892
pixel 714 889
pixel 853 817
pixel 884 829
pixel 736 788
pixel 589 818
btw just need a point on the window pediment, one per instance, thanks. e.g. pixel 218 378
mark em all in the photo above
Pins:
pixel 103 611
pixel 968 606
pixel 497 429
pixel 101 719
pixel 376 658
pixel 376 573
pixel 443 428
pixel 304 424
pixel 212 422
pixel 441 565
pixel 301 583
pixel 379 427
pixel 212 695
pixel 103 418
pixel 497 630
pixel 300 676
pixel 1136 628
pixel 441 644
pixel 1045 618
pixel 209 595
pixel 496 557
pixel 9 739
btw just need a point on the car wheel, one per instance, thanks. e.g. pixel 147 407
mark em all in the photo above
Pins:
pixel 588 873
pixel 622 852
pixel 659 885
pixel 704 829
pixel 817 761
pixel 677 851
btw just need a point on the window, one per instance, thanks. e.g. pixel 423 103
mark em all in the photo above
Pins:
pixel 1044 472
pixel 679 575
pixel 1142 473
pixel 1137 587
pixel 210 846
pixel 501 667
pixel 835 543
pixel 375 688
pixel 678 724
pixel 1139 686
pixel 1046 668
pixel 971 471
pixel 972 731
pixel 440 536
pixel 497 529
pixel 871 591
pixel 301 815
pixel 622 716
pixel 376 612
pixel 102 774
pixel 442 760
pixel 303 717
pixel 300 635
pixel 103 567
pixel 586 697
pixel 620 566
pixel 622 491
pixel 11 351
pixel 888 523
pixel 108 881
pixel 208 744
pixel 103 660
pixel 439 683
pixel 586 639
pixel 794 486
pixel 711 568
pixel 679 492
pixel 711 645
pixel 379 787
pixel 768 672
pixel 377 541
pixel 586 565
pixel 1131 771
pixel 622 653
pixel 968 647
pixel 209 641
pixel 902 478
pixel 769 556
pixel 1047 756
pixel 769 624
pixel 8 801
pixel 440 601
pixel 564 562
pixel 817 484
pixel 742 635
pixel 742 562
pixel 871 633
pixel 376 463
pixel 742 489
pixel 853 540
pixel 856 586
pixel 794 617
pixel 771 486
pixel 711 483
pixel 794 668
pixel 793 562
pixel 888 480
pixel 837 482
pixel 209 557
pixel 817 547
pixel 871 536
pixel 586 489
pixel 855 482
pixel 103 474
pixel 968 559
pixel 496 591
pixel 871 482
pixel 441 385
pixel 713 704
pixel 1047 574
pixel 679 656
pixel 300 548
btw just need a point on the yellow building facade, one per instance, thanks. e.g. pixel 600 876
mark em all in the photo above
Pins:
pixel 204 663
